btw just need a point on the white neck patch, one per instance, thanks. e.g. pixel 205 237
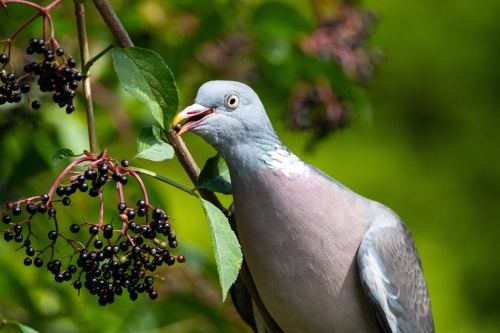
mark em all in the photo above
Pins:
pixel 285 161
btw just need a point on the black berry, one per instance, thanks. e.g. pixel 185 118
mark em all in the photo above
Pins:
pixel 25 88
pixel 103 168
pixel 93 230
pixel 38 262
pixel 60 191
pixel 69 190
pixel 52 235
pixel 8 236
pixel 156 215
pixel 78 76
pixel 141 212
pixel 77 284
pixel 116 176
pixel 90 174
pixel 94 192
pixel 36 105
pixel 51 212
pixel 122 206
pixel 30 251
pixel 74 228
pixel 42 208
pixel 130 214
pixel 83 187
pixel 73 85
pixel 31 208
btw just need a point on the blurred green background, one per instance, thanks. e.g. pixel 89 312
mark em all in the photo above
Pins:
pixel 428 149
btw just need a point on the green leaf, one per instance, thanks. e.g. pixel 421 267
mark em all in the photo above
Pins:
pixel 215 176
pixel 26 329
pixel 150 145
pixel 23 328
pixel 144 74
pixel 60 155
pixel 227 249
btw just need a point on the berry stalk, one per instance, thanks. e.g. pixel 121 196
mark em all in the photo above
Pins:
pixel 42 11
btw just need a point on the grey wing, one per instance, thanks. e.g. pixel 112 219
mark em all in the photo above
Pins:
pixel 392 278
pixel 243 302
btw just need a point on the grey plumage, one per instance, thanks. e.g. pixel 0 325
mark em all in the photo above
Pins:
pixel 323 258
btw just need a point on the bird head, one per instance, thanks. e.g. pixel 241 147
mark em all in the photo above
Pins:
pixel 224 112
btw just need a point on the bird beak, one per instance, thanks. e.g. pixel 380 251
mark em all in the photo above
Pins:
pixel 194 115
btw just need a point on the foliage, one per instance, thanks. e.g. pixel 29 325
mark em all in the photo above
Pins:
pixel 215 176
pixel 227 250
pixel 146 76
pixel 150 145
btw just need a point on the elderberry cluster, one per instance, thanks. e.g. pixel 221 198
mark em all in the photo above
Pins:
pixel 62 79
pixel 10 90
pixel 108 259
pixel 111 269
pixel 55 71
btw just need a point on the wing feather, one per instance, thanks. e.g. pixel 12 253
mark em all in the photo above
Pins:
pixel 392 277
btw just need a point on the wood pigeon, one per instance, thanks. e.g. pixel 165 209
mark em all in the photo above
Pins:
pixel 322 258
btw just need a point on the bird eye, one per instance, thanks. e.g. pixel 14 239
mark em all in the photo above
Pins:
pixel 233 101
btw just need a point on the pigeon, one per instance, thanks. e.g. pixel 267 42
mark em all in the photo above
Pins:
pixel 322 258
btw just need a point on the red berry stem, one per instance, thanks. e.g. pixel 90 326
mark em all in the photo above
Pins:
pixel 68 169
pixel 42 11
pixel 119 186
pixel 101 208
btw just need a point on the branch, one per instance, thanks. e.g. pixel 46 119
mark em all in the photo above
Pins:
pixel 192 169
pixel 87 93
pixel 113 23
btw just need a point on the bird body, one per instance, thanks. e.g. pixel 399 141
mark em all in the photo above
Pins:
pixel 320 255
